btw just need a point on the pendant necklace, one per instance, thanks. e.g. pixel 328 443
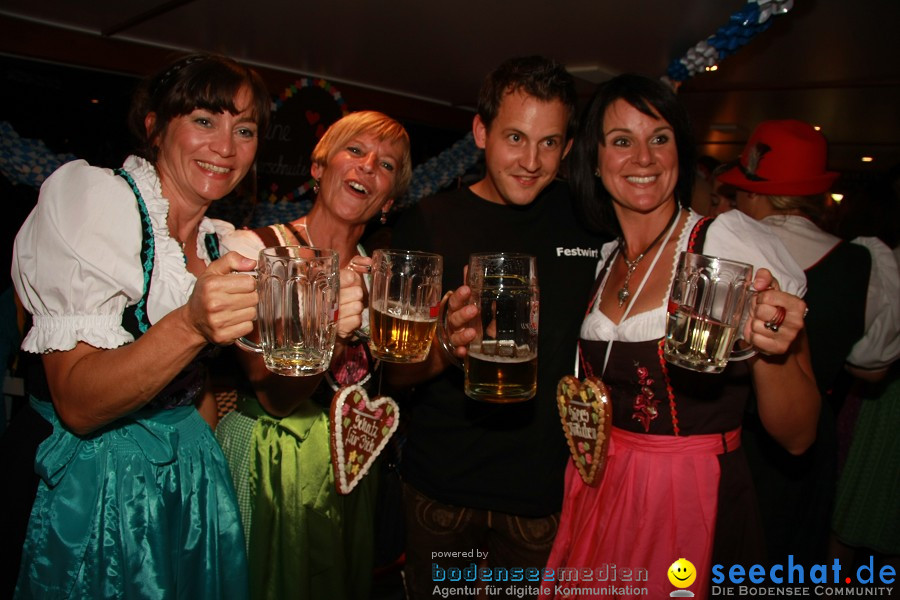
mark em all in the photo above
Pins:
pixel 632 265
pixel 180 245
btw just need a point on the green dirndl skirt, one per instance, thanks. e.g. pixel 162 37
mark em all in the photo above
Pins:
pixel 306 541
pixel 143 508
pixel 867 509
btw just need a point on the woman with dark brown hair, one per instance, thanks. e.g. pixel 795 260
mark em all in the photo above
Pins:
pixel 675 483
pixel 120 270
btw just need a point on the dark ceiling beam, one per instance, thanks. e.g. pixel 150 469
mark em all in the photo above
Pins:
pixel 38 41
pixel 795 87
pixel 144 16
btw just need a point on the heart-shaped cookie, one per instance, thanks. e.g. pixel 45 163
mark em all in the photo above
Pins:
pixel 360 428
pixel 586 414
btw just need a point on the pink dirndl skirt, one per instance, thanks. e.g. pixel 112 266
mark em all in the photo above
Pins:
pixel 656 503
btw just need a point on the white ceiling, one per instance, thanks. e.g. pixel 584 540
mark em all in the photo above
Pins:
pixel 831 62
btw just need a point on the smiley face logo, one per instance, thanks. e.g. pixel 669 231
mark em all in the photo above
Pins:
pixel 682 573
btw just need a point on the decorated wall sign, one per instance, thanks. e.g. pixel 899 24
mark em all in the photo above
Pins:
pixel 586 414
pixel 300 116
pixel 360 429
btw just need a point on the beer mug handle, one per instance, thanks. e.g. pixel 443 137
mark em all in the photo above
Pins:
pixel 242 342
pixel 248 345
pixel 743 354
pixel 443 336
pixel 750 351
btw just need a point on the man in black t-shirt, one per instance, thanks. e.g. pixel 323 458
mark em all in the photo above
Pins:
pixel 484 482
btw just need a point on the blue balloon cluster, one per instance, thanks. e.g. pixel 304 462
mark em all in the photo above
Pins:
pixel 438 172
pixel 265 213
pixel 27 162
pixel 742 26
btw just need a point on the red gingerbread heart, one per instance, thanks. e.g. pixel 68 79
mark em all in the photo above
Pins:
pixel 360 429
pixel 586 414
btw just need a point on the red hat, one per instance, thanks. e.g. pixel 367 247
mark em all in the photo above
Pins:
pixel 783 158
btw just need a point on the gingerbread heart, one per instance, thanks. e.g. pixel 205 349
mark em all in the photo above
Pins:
pixel 586 414
pixel 360 429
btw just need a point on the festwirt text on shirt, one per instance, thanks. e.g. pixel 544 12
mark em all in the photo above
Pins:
pixel 587 252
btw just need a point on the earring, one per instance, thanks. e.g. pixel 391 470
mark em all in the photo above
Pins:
pixel 384 215
pixel 597 172
pixel 316 187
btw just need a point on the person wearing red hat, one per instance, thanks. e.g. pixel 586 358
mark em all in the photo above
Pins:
pixel 781 180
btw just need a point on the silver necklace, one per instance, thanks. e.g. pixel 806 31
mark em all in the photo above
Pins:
pixel 632 265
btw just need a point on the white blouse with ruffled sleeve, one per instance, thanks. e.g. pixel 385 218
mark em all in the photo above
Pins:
pixel 76 259
pixel 731 235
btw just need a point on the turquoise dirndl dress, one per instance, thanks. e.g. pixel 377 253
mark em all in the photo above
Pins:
pixel 143 508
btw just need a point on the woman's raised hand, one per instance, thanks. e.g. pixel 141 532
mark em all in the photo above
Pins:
pixel 351 303
pixel 222 306
pixel 776 317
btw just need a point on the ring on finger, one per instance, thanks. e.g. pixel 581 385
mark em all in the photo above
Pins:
pixel 775 322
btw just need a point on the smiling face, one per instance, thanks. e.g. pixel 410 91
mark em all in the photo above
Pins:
pixel 358 178
pixel 523 147
pixel 637 158
pixel 203 155
pixel 682 573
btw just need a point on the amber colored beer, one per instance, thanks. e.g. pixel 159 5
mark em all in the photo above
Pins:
pixel 399 338
pixel 495 374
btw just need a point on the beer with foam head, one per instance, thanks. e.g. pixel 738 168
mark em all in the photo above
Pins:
pixel 396 337
pixel 403 308
pixel 493 377
pixel 501 362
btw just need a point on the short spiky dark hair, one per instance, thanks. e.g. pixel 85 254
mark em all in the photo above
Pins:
pixel 542 78
pixel 207 81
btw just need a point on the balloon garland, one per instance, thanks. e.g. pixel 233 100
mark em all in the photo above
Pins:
pixel 305 82
pixel 744 25
pixel 280 212
pixel 438 172
pixel 25 161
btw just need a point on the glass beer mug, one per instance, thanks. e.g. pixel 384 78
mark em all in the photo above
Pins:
pixel 404 304
pixel 298 309
pixel 707 308
pixel 501 362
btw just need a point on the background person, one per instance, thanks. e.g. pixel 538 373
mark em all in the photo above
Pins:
pixel 305 540
pixel 676 484
pixel 479 475
pixel 866 519
pixel 724 195
pixel 118 270
pixel 781 181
